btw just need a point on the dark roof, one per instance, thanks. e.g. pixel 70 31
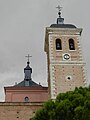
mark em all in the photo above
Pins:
pixel 31 84
pixel 27 68
pixel 63 26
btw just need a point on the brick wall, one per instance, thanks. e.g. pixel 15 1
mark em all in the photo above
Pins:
pixel 18 111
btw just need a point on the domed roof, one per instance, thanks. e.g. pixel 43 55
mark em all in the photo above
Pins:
pixel 31 84
pixel 27 67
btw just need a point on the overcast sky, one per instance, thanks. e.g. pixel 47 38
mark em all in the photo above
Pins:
pixel 22 32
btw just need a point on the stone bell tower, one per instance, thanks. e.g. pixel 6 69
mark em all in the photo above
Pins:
pixel 66 69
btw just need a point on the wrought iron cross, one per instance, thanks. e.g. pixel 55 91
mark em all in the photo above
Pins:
pixel 28 56
pixel 59 8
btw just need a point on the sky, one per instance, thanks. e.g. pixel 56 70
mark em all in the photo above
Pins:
pixel 22 32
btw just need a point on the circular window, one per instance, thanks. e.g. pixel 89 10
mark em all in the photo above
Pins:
pixel 68 78
pixel 26 99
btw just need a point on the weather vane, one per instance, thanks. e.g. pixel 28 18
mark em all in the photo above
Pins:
pixel 59 10
pixel 28 56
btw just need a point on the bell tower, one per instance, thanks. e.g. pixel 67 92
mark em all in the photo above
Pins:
pixel 66 69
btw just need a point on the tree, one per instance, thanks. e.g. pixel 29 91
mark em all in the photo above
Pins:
pixel 72 105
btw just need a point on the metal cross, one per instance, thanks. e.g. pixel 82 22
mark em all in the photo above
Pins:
pixel 59 8
pixel 28 56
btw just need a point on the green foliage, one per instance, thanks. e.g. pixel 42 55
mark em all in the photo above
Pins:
pixel 73 105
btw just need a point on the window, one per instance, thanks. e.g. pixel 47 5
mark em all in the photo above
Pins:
pixel 58 44
pixel 71 44
pixel 68 78
pixel 26 99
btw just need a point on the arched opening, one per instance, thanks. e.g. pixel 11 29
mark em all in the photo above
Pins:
pixel 26 99
pixel 58 44
pixel 71 44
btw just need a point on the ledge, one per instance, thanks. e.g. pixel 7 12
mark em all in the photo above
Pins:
pixel 21 103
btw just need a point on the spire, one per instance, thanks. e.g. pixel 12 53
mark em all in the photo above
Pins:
pixel 27 70
pixel 60 20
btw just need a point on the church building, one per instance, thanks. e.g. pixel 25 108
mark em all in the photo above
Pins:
pixel 66 70
pixel 27 90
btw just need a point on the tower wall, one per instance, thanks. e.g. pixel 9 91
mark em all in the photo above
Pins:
pixel 64 74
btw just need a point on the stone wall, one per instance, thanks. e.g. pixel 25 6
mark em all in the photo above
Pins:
pixel 18 111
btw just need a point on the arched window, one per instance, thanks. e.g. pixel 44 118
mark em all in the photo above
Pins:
pixel 26 99
pixel 71 44
pixel 58 44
